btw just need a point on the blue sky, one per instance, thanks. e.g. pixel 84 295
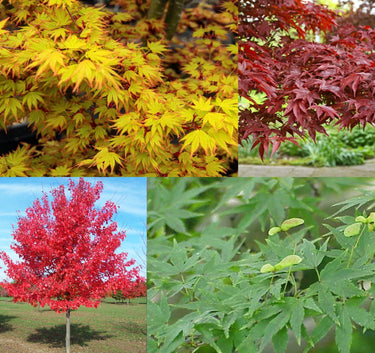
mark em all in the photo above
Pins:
pixel 17 194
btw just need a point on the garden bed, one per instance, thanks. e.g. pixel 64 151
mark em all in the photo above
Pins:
pixel 340 148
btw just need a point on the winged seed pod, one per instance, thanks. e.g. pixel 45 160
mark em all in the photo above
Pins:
pixel 291 223
pixel 287 261
pixel 352 230
pixel 274 230
pixel 361 219
pixel 286 225
pixel 267 268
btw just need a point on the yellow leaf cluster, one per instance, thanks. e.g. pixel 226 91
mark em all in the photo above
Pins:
pixel 105 103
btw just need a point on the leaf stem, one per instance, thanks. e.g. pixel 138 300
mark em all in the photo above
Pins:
pixel 317 273
pixel 80 30
pixel 355 246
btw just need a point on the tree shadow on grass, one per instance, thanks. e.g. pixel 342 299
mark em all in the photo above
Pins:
pixel 124 303
pixel 4 324
pixel 133 327
pixel 55 336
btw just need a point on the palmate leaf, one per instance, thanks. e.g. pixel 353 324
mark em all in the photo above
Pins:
pixel 58 33
pixel 49 58
pixel 296 319
pixel 32 99
pixel 103 159
pixel 273 327
pixel 359 314
pixel 11 105
pixel 156 47
pixel 106 76
pixel 60 3
pixel 151 73
pixel 199 138
pixel 344 331
pixel 327 303
pixel 73 42
pixel 357 202
pixel 60 171
pixel 16 163
pixel 320 331
pixel 311 255
pixel 203 104
pixel 280 340
pixel 84 70
pixel 102 56
pixel 58 121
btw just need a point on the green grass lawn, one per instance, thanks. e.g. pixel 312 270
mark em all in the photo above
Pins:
pixel 111 328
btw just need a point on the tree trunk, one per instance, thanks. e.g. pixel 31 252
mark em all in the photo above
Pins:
pixel 156 9
pixel 172 18
pixel 67 338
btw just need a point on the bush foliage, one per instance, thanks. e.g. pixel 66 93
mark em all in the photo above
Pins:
pixel 108 94
pixel 248 264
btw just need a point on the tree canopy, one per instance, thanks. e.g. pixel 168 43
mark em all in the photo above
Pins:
pixel 67 250
pixel 308 71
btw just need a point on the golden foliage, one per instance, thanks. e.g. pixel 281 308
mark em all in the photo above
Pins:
pixel 118 104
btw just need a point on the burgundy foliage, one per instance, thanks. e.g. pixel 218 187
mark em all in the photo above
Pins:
pixel 308 84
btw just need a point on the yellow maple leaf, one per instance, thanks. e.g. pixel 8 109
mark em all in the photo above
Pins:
pixel 105 158
pixel 105 75
pixel 151 73
pixel 49 58
pixel 73 42
pixel 216 120
pixel 62 3
pixel 85 70
pixel 58 121
pixel 156 47
pixel 32 98
pixel 102 56
pixel 60 171
pixel 2 24
pixel 203 104
pixel 12 105
pixel 198 138
pixel 222 139
pixel 16 163
pixel 58 32
pixel 128 123
pixel 214 166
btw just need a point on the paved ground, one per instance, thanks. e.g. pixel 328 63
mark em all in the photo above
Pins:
pixel 365 170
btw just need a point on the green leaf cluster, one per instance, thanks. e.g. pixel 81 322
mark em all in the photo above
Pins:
pixel 213 290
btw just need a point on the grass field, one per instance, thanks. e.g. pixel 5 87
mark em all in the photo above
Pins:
pixel 111 328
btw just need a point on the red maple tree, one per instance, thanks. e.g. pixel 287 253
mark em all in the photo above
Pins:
pixel 67 252
pixel 307 84
pixel 137 289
